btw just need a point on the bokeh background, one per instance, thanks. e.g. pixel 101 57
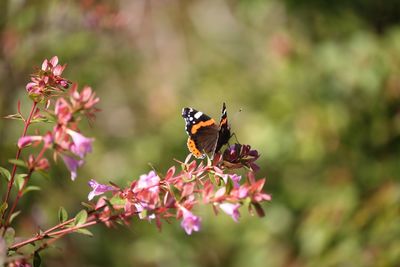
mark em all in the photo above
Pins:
pixel 318 86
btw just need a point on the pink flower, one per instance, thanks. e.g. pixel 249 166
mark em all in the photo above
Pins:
pixel 52 66
pixel 33 88
pixel 47 81
pixel 150 181
pixel 72 165
pixel 241 192
pixel 81 144
pixel 190 222
pixel 63 111
pixel 28 140
pixel 85 99
pixel 147 191
pixel 231 209
pixel 235 179
pixel 98 189
pixel 48 139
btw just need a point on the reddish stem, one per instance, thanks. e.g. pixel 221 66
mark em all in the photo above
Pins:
pixel 21 190
pixel 19 195
pixel 11 182
pixel 55 235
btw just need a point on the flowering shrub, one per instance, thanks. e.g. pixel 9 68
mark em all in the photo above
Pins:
pixel 154 196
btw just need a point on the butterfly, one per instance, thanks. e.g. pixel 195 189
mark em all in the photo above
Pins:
pixel 205 136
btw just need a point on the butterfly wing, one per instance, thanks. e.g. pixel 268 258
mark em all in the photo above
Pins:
pixel 202 131
pixel 224 132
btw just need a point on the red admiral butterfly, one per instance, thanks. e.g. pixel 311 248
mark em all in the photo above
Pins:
pixel 205 136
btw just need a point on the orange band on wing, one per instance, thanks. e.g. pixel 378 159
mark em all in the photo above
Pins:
pixel 193 149
pixel 202 124
pixel 224 121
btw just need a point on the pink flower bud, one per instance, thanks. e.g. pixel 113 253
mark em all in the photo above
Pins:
pixel 45 64
pixel 28 140
pixel 54 61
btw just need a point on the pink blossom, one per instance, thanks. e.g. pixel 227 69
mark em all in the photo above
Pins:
pixel 31 86
pixel 27 140
pixel 98 189
pixel 235 179
pixel 190 222
pixel 81 144
pixel 147 191
pixel 48 139
pixel 72 165
pixel 231 209
pixel 48 81
pixel 86 98
pixel 58 70
pixel 256 192
pixel 150 181
pixel 241 192
pixel 63 111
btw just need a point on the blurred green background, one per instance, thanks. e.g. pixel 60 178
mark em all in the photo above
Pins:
pixel 318 84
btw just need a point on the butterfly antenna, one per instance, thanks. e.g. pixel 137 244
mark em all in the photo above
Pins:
pixel 235 115
pixel 234 119
pixel 234 135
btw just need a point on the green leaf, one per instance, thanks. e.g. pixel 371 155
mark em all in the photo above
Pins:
pixel 3 251
pixel 87 205
pixel 18 162
pixel 175 192
pixel 46 120
pixel 212 178
pixel 15 214
pixel 44 174
pixel 62 215
pixel 9 236
pixel 37 261
pixel 229 186
pixel 5 173
pixel 14 117
pixel 117 200
pixel 84 232
pixel 30 188
pixel 3 207
pixel 81 217
pixel 19 180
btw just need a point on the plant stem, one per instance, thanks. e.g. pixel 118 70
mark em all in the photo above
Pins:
pixel 11 182
pixel 21 190
pixel 91 221
pixel 19 195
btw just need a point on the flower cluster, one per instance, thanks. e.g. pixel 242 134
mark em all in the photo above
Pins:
pixel 47 81
pixel 153 197
pixel 65 138
pixel 237 156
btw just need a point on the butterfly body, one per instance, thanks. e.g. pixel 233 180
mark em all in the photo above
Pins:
pixel 205 136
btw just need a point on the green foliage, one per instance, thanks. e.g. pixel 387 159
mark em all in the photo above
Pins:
pixel 14 215
pixel 37 260
pixel 19 163
pixel 9 236
pixel 62 215
pixel 5 173
pixel 81 217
